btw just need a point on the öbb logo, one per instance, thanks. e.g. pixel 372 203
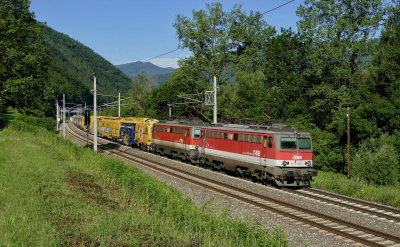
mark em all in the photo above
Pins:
pixel 295 157
pixel 256 152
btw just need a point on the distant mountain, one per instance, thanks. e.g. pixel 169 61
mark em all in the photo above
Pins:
pixel 132 69
pixel 71 69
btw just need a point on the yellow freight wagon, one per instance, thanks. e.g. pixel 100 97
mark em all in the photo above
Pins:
pixel 110 127
pixel 91 127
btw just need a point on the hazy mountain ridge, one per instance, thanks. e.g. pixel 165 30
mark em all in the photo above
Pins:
pixel 159 74
pixel 132 69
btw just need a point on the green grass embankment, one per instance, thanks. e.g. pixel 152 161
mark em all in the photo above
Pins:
pixel 338 183
pixel 54 193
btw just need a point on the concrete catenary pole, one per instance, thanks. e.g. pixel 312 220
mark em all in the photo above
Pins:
pixel 119 103
pixel 57 116
pixel 95 114
pixel 215 99
pixel 64 114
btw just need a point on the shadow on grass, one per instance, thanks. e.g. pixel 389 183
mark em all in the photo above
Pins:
pixel 9 115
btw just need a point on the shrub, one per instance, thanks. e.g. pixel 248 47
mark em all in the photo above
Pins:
pixel 376 161
pixel 46 122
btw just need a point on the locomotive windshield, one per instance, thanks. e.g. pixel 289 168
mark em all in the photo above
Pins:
pixel 288 143
pixel 304 143
pixel 196 133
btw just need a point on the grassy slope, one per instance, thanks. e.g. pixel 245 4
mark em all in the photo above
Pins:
pixel 338 183
pixel 53 192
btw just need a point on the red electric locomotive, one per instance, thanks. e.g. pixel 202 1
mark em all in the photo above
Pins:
pixel 178 138
pixel 277 153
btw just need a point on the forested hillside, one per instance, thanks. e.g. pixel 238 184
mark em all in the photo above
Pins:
pixel 72 65
pixel 306 78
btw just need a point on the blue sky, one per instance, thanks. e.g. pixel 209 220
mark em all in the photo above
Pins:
pixel 124 31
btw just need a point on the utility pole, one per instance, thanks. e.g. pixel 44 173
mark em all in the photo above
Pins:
pixel 348 142
pixel 119 103
pixel 95 114
pixel 215 98
pixel 64 114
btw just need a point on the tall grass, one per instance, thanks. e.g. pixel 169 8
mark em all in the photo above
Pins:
pixel 73 195
pixel 358 188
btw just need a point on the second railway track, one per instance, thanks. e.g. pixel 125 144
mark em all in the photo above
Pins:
pixel 357 233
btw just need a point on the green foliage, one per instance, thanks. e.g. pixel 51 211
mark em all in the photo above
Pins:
pixel 376 161
pixel 44 122
pixel 140 93
pixel 218 39
pixel 185 80
pixel 23 60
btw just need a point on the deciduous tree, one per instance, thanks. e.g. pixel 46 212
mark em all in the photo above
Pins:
pixel 23 60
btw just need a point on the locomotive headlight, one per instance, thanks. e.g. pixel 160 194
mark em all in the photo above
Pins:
pixel 284 163
pixel 196 147
pixel 310 163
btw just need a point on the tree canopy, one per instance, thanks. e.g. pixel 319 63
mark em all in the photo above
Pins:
pixel 23 60
pixel 218 39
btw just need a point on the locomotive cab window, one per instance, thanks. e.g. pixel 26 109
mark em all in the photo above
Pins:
pixel 270 142
pixel 288 143
pixel 304 143
pixel 196 133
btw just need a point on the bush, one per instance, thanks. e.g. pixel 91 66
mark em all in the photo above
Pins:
pixel 46 122
pixel 376 161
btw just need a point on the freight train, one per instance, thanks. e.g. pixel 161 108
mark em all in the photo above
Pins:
pixel 276 152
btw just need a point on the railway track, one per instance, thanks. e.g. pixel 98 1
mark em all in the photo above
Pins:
pixel 382 211
pixel 357 233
